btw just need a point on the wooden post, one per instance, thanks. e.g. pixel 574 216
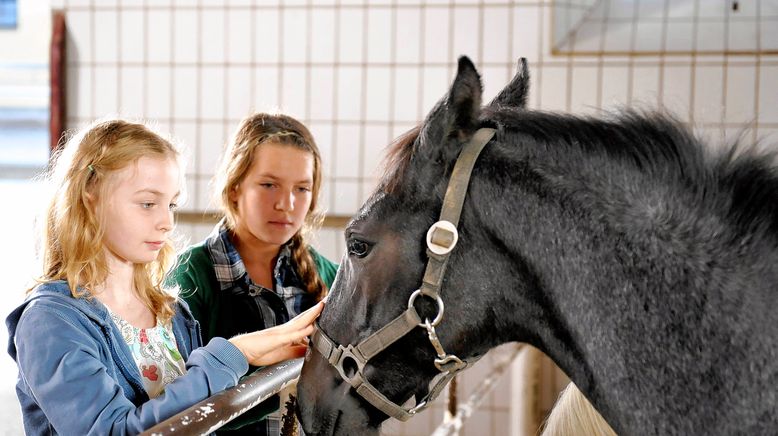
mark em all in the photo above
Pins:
pixel 525 418
pixel 452 399
pixel 57 60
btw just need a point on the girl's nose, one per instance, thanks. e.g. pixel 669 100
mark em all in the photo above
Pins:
pixel 285 201
pixel 166 221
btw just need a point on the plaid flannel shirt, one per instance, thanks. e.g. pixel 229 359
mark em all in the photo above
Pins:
pixel 231 271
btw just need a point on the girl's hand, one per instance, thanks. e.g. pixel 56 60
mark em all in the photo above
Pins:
pixel 282 342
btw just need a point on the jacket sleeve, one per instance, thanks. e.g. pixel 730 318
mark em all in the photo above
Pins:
pixel 194 287
pixel 63 367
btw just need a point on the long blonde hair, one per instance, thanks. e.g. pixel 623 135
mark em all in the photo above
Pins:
pixel 253 132
pixel 574 415
pixel 72 242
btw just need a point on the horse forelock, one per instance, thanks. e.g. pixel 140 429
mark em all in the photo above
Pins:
pixel 398 159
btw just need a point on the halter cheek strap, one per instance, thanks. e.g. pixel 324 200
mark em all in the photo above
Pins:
pixel 441 239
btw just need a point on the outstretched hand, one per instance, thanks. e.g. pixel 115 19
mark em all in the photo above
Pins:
pixel 282 342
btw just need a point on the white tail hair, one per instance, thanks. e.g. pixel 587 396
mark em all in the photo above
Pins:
pixel 574 415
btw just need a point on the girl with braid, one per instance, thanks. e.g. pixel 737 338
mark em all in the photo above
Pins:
pixel 256 270
pixel 101 345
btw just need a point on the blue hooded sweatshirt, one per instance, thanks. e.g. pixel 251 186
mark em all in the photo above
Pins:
pixel 77 375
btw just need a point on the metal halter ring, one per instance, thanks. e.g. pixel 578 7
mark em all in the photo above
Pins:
pixel 438 318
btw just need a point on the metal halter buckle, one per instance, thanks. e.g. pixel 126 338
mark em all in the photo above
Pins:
pixel 442 237
pixel 418 408
pixel 346 353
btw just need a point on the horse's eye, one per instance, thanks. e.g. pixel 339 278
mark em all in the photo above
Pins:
pixel 358 248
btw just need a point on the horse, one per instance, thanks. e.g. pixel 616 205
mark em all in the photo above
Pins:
pixel 641 261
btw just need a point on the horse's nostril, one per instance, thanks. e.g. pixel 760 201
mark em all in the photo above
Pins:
pixel 350 366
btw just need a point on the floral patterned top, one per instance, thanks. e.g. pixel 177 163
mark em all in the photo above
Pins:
pixel 155 352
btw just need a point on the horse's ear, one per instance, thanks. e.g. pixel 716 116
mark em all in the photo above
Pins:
pixel 516 91
pixel 457 113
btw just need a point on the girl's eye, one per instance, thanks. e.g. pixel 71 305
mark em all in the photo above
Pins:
pixel 266 185
pixel 147 205
pixel 358 248
pixel 303 189
pixel 173 206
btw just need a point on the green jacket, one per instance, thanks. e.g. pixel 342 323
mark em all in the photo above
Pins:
pixel 195 276
pixel 196 279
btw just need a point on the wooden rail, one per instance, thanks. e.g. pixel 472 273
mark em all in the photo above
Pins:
pixel 217 410
pixel 191 217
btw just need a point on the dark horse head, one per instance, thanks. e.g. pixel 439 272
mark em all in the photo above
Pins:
pixel 643 263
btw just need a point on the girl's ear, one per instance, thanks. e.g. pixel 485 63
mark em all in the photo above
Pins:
pixel 90 202
pixel 233 195
pixel 90 199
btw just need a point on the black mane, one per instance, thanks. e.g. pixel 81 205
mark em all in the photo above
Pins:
pixel 736 181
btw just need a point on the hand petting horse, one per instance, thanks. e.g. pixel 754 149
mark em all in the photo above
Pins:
pixel 644 263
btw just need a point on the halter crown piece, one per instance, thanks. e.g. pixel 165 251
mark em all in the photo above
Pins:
pixel 441 238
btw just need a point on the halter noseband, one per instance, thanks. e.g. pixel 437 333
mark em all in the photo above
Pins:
pixel 441 239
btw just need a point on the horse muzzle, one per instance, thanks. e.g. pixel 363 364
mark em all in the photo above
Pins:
pixel 326 405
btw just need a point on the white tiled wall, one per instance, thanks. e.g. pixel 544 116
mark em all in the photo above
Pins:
pixel 360 73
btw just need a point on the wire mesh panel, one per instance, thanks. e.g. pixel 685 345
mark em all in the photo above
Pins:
pixel 360 73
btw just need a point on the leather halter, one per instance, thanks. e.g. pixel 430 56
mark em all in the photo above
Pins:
pixel 441 239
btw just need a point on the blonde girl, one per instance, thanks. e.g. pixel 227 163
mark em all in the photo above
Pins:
pixel 100 346
pixel 256 269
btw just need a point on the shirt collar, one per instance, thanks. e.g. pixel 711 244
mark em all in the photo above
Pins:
pixel 229 266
